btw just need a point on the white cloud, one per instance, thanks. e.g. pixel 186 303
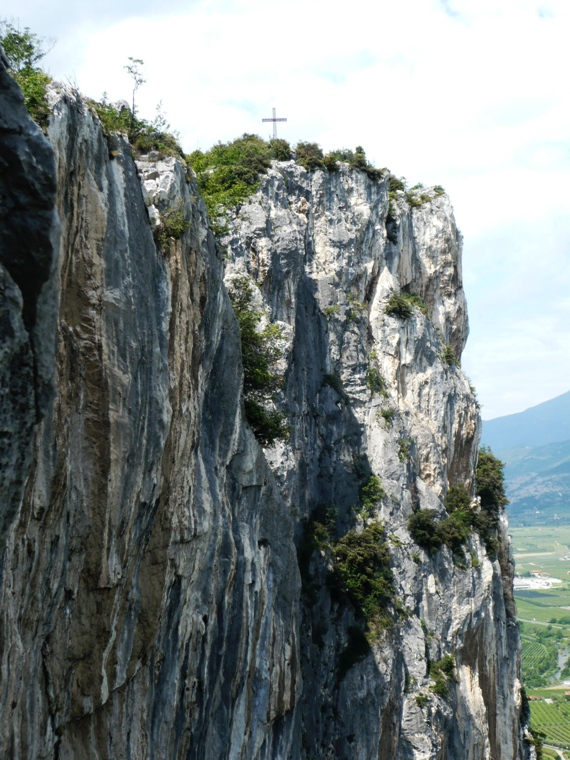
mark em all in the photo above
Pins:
pixel 471 95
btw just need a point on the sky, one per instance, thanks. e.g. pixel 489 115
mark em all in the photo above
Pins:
pixel 468 94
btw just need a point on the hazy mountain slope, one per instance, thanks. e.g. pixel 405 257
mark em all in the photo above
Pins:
pixel 538 482
pixel 545 423
pixel 535 447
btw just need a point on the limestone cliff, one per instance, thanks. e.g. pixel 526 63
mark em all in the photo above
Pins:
pixel 151 595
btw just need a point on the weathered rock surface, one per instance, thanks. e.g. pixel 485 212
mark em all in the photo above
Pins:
pixel 28 310
pixel 327 253
pixel 150 585
pixel 151 597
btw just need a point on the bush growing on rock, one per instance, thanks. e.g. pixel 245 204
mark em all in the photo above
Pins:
pixel 448 356
pixel 464 517
pixel 371 494
pixel 24 50
pixel 362 571
pixel 375 382
pixel 441 673
pixel 229 173
pixel 457 499
pixel 260 352
pixel 423 529
pixel 173 225
pixel 309 156
pixel 279 149
pixel 144 136
pixel 402 304
pixel 355 159
pixel 489 486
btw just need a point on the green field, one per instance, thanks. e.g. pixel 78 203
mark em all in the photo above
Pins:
pixel 546 549
pixel 545 629
pixel 550 754
pixel 553 720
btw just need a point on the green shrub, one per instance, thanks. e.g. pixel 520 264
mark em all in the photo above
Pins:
pixel 362 571
pixel 375 382
pixel 396 183
pixel 463 517
pixel 402 304
pixel 33 83
pixel 457 498
pixel 229 173
pixel 356 309
pixel 163 143
pixel 387 414
pixel 422 700
pixel 454 531
pixel 415 198
pixel 371 494
pixel 490 482
pixel 441 672
pixel 448 356
pixel 269 426
pixel 423 529
pixel 398 306
pixel 24 50
pixel 331 163
pixel 112 119
pixel 404 447
pixel 279 149
pixel 173 225
pixel 144 136
pixel 451 532
pixel 260 352
pixel 309 156
pixel 355 159
pixel 489 486
pixel 330 311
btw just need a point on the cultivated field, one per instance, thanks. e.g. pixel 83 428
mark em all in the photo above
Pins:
pixel 545 630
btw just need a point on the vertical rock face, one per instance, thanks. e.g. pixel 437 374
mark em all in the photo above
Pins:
pixel 371 393
pixel 150 585
pixel 151 597
pixel 28 309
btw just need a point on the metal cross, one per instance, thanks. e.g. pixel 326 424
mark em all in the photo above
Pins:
pixel 274 120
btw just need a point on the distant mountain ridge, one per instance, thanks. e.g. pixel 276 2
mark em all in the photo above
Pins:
pixel 535 447
pixel 540 425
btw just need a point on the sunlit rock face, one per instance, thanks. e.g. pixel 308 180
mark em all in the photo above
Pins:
pixel 152 604
pixel 367 393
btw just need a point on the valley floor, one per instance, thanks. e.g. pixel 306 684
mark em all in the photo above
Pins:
pixel 542 592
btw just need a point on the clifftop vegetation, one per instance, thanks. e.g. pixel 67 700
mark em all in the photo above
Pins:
pixel 24 50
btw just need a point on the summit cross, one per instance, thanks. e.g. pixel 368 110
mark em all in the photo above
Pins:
pixel 274 120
